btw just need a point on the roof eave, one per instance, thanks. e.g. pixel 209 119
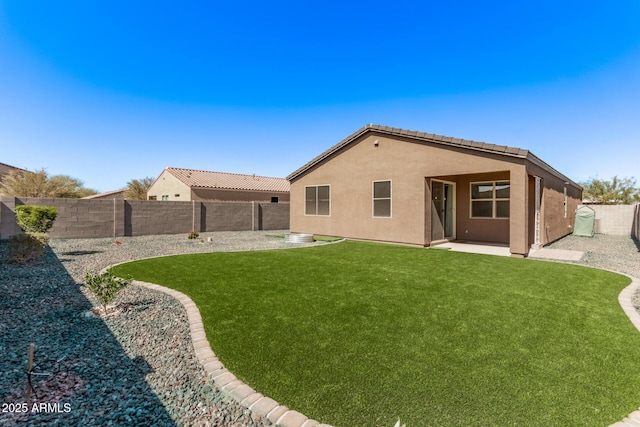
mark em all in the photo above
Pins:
pixel 419 136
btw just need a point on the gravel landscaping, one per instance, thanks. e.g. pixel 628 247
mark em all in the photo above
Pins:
pixel 137 367
pixel 616 253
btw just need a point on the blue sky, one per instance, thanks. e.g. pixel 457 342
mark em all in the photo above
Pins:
pixel 111 91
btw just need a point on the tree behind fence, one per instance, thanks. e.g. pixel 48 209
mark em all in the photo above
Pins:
pixel 88 218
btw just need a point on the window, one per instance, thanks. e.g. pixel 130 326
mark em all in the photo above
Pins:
pixel 382 199
pixel 274 199
pixel 490 199
pixel 165 197
pixel 153 197
pixel 317 200
pixel 176 195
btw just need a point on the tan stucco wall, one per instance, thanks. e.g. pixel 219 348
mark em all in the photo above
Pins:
pixel 408 165
pixel 478 229
pixel 411 166
pixel 554 224
pixel 238 195
pixel 169 185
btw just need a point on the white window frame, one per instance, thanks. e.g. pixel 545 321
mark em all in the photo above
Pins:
pixel 390 198
pixel 493 199
pixel 305 199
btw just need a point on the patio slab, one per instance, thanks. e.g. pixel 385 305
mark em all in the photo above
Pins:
pixel 556 254
pixel 476 248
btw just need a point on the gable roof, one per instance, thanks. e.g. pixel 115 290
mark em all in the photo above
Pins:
pixel 429 138
pixel 229 181
pixel 113 194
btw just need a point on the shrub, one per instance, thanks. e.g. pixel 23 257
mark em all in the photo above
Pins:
pixel 26 247
pixel 35 219
pixel 192 234
pixel 105 286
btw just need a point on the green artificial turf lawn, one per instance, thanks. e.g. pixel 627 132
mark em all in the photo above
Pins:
pixel 361 334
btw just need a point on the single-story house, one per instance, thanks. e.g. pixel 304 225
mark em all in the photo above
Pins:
pixel 191 184
pixel 394 185
pixel 108 195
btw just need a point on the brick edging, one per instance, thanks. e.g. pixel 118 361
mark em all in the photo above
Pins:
pixel 231 386
pixel 625 298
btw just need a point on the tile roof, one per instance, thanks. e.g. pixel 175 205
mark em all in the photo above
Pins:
pixel 229 181
pixel 428 138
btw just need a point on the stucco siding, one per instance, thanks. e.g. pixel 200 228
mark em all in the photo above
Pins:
pixel 478 229
pixel 171 187
pixel 237 195
pixel 350 174
pixel 555 221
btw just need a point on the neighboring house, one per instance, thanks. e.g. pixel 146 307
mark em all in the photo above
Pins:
pixel 114 194
pixel 5 169
pixel 393 185
pixel 190 184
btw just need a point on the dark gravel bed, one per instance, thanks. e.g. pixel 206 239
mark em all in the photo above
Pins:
pixel 136 367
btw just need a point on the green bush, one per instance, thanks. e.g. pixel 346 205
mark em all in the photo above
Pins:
pixel 192 235
pixel 105 286
pixel 26 247
pixel 35 219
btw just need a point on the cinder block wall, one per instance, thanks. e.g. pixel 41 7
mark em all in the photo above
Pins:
pixel 230 216
pixel 274 217
pixel 86 218
pixel 143 218
pixel 635 232
pixel 615 220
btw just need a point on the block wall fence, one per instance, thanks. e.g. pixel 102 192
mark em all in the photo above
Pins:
pixel 86 218
pixel 617 220
pixel 635 231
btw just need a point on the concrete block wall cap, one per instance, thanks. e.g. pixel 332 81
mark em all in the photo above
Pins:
pixel 218 372
pixel 631 423
pixel 251 399
pixel 241 392
pixel 198 338
pixel 204 353
pixel 212 366
pixel 291 419
pixel 224 379
pixel 310 423
pixel 276 413
pixel 201 344
pixel 228 388
pixel 263 406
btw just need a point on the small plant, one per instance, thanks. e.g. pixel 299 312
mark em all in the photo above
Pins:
pixel 35 219
pixel 105 286
pixel 26 247
pixel 192 235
